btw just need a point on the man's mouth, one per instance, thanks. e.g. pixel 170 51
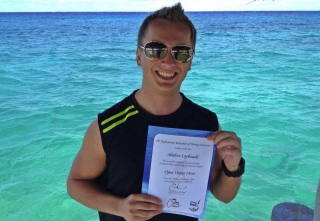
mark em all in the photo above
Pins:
pixel 166 75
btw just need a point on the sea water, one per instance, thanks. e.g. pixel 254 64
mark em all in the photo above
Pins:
pixel 259 71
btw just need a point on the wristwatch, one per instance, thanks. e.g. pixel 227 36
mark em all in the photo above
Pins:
pixel 237 173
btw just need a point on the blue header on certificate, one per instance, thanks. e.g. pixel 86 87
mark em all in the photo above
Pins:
pixel 177 169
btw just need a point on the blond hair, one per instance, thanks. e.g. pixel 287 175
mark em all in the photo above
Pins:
pixel 174 13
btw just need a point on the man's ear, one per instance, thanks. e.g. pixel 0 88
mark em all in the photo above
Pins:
pixel 138 56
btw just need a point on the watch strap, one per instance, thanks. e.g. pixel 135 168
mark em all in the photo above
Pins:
pixel 236 173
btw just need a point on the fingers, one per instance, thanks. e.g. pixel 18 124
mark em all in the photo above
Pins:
pixel 141 207
pixel 229 152
pixel 146 198
pixel 145 202
pixel 224 139
pixel 228 147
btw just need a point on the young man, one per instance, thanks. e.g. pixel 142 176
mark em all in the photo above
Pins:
pixel 106 174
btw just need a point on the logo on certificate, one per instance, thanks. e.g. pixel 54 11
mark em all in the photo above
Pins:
pixel 173 203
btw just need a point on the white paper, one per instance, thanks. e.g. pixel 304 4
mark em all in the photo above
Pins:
pixel 180 171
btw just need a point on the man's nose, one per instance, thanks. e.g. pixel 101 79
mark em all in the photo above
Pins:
pixel 168 59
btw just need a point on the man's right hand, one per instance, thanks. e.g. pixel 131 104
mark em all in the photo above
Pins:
pixel 140 207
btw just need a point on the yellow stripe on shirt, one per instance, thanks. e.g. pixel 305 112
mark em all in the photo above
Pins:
pixel 119 121
pixel 116 115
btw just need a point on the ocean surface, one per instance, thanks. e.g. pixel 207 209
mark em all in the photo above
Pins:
pixel 259 71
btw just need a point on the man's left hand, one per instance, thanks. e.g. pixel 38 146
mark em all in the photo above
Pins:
pixel 228 147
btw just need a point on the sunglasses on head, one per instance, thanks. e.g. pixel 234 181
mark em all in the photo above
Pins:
pixel 158 50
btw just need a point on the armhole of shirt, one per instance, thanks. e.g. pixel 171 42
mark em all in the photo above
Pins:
pixel 101 133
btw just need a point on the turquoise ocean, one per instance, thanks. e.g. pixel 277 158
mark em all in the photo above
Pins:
pixel 259 71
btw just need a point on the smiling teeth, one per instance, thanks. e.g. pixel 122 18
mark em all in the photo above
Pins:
pixel 166 75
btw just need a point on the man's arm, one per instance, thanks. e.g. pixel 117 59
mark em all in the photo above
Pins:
pixel 89 163
pixel 229 149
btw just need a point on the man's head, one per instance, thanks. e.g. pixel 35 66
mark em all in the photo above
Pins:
pixel 165 50
pixel 173 14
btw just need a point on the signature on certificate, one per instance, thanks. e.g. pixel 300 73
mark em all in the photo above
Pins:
pixel 177 186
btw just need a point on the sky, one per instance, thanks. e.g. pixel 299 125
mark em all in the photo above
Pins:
pixel 148 6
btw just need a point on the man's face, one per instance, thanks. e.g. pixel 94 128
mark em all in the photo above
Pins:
pixel 166 75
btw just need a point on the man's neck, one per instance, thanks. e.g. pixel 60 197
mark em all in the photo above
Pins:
pixel 158 104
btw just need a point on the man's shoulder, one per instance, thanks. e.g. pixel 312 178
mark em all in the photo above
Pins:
pixel 121 107
pixel 200 117
pixel 196 108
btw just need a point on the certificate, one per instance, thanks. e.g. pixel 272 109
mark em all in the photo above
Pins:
pixel 177 169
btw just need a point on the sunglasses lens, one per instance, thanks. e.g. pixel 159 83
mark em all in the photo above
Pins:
pixel 155 50
pixel 182 54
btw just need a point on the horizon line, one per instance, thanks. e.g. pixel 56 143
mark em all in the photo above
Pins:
pixel 152 11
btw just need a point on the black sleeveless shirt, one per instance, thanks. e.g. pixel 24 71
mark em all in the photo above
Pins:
pixel 124 129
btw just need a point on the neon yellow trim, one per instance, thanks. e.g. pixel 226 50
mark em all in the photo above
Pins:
pixel 116 115
pixel 120 121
